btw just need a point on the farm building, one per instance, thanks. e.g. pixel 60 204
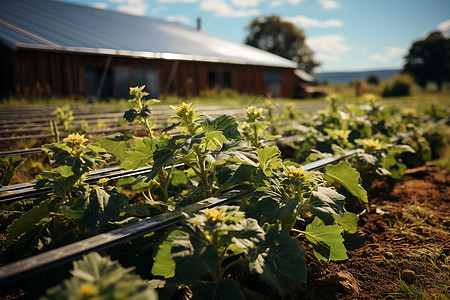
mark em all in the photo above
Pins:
pixel 55 48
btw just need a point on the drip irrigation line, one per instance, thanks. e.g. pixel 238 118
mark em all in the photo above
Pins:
pixel 37 263
pixel 41 262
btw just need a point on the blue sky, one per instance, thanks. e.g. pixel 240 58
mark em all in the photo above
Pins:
pixel 345 35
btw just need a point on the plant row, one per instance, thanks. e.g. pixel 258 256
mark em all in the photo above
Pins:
pixel 212 253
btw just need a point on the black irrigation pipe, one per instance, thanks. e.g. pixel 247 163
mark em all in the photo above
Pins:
pixel 23 191
pixel 38 263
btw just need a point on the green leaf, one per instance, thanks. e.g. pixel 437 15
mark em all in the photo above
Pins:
pixel 193 257
pixel 324 203
pixel 214 140
pixel 140 155
pixel 279 260
pixel 348 177
pixel 117 144
pixel 395 168
pixel 235 174
pixel 348 221
pixel 29 219
pixel 101 278
pixel 130 115
pixel 248 235
pixel 326 240
pixel 178 177
pixel 270 205
pixel 225 290
pixel 234 151
pixel 269 159
pixel 98 208
pixel 163 264
pixel 224 123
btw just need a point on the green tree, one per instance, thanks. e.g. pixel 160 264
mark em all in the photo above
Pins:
pixel 429 60
pixel 373 79
pixel 275 35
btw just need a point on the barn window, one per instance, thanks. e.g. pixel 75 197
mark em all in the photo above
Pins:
pixel 98 83
pixel 273 80
pixel 221 79
pixel 147 77
pixel 125 77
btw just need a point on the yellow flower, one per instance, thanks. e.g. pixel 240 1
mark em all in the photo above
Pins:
pixel 88 290
pixel 409 111
pixel 370 145
pixel 253 113
pixel 369 98
pixel 182 110
pixel 134 91
pixel 214 215
pixel 296 174
pixel 76 138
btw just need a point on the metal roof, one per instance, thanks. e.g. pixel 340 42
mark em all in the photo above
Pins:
pixel 57 26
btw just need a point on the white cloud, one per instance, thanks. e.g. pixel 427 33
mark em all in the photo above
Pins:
pixel 222 9
pixel 329 4
pixel 180 19
pixel 100 5
pixel 294 2
pixel 134 7
pixel 246 3
pixel 276 3
pixel 444 27
pixel 379 58
pixel 303 22
pixel 177 1
pixel 327 47
pixel 326 57
pixel 390 53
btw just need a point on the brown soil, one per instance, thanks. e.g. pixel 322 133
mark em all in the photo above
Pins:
pixel 406 254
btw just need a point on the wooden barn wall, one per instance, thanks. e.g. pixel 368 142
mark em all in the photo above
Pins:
pixel 62 74
pixel 7 72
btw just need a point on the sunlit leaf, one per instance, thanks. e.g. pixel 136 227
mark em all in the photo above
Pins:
pixel 279 260
pixel 326 240
pixel 343 174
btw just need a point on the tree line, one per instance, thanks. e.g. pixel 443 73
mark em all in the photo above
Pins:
pixel 428 60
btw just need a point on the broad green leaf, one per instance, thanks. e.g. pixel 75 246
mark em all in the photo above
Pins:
pixel 250 234
pixel 166 151
pixel 326 240
pixel 235 174
pixel 140 155
pixel 224 123
pixel 234 151
pixel 225 290
pixel 101 278
pixel 178 177
pixel 348 221
pixel 29 219
pixel 279 260
pixel 193 257
pixel 399 149
pixel 348 177
pixel 395 168
pixel 98 208
pixel 324 203
pixel 130 115
pixel 214 140
pixel 270 205
pixel 163 264
pixel 269 159
pixel 117 144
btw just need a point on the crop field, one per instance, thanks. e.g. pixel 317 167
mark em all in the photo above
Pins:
pixel 338 198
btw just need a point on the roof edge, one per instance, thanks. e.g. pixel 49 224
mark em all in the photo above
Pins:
pixel 141 54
